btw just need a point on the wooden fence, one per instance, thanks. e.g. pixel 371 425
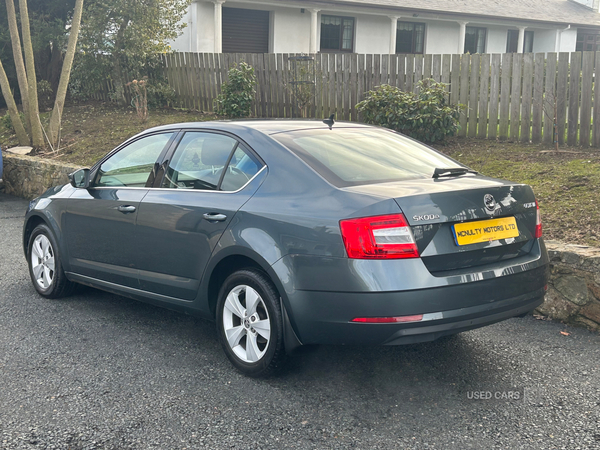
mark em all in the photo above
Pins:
pixel 505 96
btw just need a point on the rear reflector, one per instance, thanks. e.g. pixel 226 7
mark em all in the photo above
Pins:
pixel 397 319
pixel 538 222
pixel 379 237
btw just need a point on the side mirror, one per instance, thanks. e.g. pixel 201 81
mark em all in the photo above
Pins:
pixel 80 178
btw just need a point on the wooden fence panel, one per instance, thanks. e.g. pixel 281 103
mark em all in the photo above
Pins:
pixel 286 85
pixel 353 86
pixel 393 79
pixel 418 72
pixel 585 117
pixel 494 96
pixel 446 61
pixel 510 95
pixel 507 64
pixel 549 99
pixel 484 85
pixel 474 94
pixel 410 73
pixel 281 95
pixel 427 66
pixel 361 78
pixel 515 96
pixel 455 81
pixel 574 85
pixel 538 98
pixel 401 81
pixel 526 97
pixel 346 87
pixel 562 85
pixel 437 68
pixel 385 60
pixel 597 103
pixel 368 73
pixel 339 87
pixel 464 93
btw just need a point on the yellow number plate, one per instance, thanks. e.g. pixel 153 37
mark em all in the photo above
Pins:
pixel 485 230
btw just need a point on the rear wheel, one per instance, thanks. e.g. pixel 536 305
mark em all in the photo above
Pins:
pixel 45 267
pixel 250 324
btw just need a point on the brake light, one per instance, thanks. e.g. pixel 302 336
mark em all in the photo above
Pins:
pixel 379 237
pixel 538 222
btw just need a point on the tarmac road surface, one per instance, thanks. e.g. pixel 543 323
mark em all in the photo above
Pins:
pixel 99 371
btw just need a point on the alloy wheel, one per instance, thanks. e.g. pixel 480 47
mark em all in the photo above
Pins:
pixel 246 323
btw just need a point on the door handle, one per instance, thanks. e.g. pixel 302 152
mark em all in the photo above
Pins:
pixel 215 217
pixel 126 209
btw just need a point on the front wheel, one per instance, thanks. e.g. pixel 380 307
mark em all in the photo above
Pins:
pixel 249 323
pixel 45 267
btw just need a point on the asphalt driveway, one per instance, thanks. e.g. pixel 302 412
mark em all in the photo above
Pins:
pixel 99 371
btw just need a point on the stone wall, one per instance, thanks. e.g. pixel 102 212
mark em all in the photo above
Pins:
pixel 574 290
pixel 28 177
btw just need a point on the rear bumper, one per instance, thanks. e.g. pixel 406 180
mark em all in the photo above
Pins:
pixel 325 317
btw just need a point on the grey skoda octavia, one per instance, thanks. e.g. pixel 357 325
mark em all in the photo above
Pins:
pixel 289 233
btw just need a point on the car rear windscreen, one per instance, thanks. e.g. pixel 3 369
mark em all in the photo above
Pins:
pixel 355 156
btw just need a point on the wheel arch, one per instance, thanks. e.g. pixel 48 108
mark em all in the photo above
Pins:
pixel 30 224
pixel 238 258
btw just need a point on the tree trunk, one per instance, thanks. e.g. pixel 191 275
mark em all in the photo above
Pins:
pixel 12 108
pixel 65 74
pixel 18 57
pixel 118 81
pixel 37 138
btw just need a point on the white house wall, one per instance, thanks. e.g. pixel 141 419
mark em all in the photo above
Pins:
pixel 496 39
pixel 290 31
pixel 545 41
pixel 441 37
pixel 205 31
pixel 568 40
pixel 372 34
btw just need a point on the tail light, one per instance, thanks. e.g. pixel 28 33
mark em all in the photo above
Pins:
pixel 538 222
pixel 379 237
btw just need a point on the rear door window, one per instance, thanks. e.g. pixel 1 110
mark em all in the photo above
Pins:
pixel 210 161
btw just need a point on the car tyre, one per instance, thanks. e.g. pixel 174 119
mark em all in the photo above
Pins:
pixel 250 324
pixel 45 267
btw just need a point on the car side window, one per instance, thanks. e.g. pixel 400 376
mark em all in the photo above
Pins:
pixel 199 161
pixel 131 166
pixel 242 167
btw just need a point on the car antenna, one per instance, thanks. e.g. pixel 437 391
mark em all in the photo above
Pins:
pixel 329 122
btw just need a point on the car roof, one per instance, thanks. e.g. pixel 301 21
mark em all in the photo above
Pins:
pixel 266 126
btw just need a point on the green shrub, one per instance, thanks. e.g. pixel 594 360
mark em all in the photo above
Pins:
pixel 423 116
pixel 237 94
pixel 160 94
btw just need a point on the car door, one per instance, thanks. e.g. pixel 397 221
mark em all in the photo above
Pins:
pixel 206 181
pixel 100 220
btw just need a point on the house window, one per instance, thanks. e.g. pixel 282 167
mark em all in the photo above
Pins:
pixel 512 42
pixel 337 34
pixel 410 37
pixel 587 40
pixel 475 40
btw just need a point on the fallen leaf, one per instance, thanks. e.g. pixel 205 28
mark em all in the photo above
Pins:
pixel 564 333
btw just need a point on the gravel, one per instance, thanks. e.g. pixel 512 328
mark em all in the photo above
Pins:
pixel 99 371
